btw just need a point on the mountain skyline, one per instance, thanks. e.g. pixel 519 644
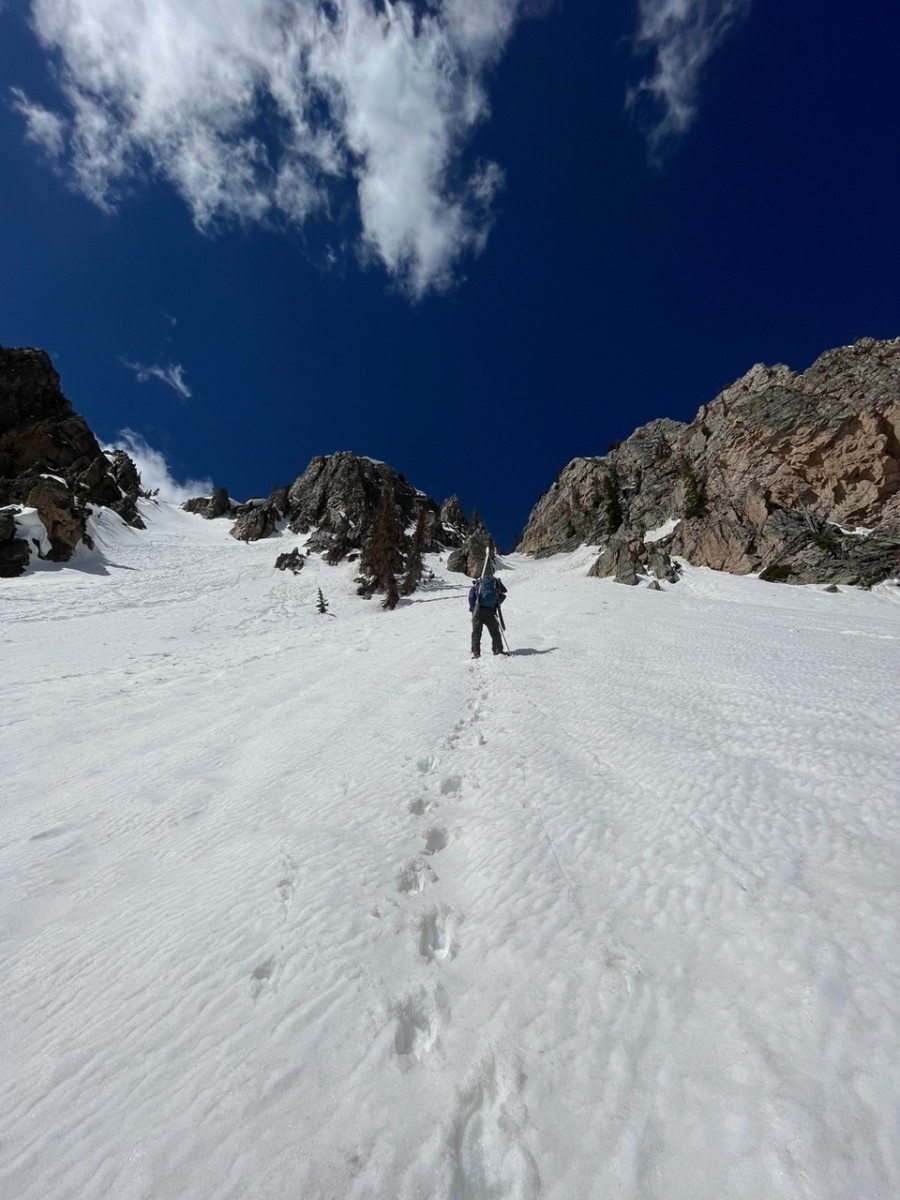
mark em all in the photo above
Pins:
pixel 445 242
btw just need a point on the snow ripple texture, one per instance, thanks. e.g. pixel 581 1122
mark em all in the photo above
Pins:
pixel 311 906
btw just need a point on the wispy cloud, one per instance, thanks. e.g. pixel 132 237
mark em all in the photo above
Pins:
pixel 172 376
pixel 682 36
pixel 263 110
pixel 155 471
pixel 42 126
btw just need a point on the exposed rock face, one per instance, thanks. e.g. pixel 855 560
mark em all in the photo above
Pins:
pixel 256 519
pixel 335 501
pixel 765 478
pixel 211 507
pixel 454 527
pixel 50 460
pixel 337 496
pixel 55 506
pixel 469 558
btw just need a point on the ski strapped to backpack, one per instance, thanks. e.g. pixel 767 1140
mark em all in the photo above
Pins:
pixel 487 596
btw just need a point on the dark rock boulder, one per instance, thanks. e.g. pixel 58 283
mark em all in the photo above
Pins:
pixel 620 559
pixel 211 507
pixel 256 519
pixel 15 552
pixel 126 477
pixel 292 561
pixel 112 480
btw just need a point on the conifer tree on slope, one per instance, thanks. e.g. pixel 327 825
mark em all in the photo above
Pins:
pixel 415 559
pixel 382 557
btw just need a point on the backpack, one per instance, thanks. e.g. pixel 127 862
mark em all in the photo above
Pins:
pixel 486 592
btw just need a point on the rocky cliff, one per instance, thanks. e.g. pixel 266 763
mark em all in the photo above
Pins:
pixel 335 501
pixel 51 462
pixel 794 476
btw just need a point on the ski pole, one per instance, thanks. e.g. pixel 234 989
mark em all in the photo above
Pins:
pixel 502 624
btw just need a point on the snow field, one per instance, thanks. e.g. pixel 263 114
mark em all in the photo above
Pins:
pixel 302 905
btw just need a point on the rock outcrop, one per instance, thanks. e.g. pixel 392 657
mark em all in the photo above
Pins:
pixel 334 502
pixel 794 476
pixel 336 497
pixel 469 558
pixel 211 507
pixel 255 520
pixel 14 550
pixel 51 462
pixel 292 561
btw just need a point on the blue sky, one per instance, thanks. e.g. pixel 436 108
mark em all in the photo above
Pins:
pixel 473 238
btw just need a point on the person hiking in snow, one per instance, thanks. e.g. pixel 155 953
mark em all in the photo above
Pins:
pixel 485 597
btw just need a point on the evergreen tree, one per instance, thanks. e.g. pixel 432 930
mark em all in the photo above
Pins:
pixel 415 562
pixel 382 557
pixel 321 603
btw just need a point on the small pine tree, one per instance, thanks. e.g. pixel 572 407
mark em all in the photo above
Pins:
pixel 415 561
pixel 321 603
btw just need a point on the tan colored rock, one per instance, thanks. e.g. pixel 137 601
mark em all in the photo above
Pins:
pixel 757 472
pixel 56 508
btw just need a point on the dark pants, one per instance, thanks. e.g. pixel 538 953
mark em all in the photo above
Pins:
pixel 486 616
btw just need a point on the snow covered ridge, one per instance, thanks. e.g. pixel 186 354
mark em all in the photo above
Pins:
pixel 339 913
pixel 769 479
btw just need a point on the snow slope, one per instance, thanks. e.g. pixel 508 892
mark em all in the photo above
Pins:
pixel 303 906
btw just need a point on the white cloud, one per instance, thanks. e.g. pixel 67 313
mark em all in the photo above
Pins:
pixel 42 126
pixel 172 376
pixel 154 470
pixel 682 35
pixel 257 110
